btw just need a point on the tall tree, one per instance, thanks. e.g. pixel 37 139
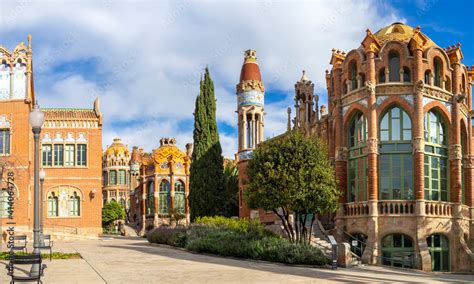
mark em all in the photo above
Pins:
pixel 206 176
pixel 292 175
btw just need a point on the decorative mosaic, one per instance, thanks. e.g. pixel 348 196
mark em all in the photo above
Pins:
pixel 408 99
pixel 381 99
pixel 245 155
pixel 251 98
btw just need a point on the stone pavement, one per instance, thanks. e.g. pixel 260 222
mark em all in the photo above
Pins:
pixel 133 260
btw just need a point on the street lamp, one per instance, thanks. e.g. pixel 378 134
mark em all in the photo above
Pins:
pixel 42 175
pixel 36 119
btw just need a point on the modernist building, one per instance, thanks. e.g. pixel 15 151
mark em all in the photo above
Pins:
pixel 162 185
pixel 71 142
pixel 399 130
pixel 116 174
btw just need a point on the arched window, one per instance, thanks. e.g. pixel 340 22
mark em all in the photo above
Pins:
pixel 53 205
pixel 74 204
pixel 397 250
pixel 436 157
pixel 427 77
pixel 357 174
pixel 4 204
pixel 438 246
pixel 395 159
pixel 165 197
pixel 406 75
pixel 150 198
pixel 179 197
pixel 394 67
pixel 113 177
pixel 104 178
pixel 437 72
pixel 4 81
pixel 381 76
pixel 353 68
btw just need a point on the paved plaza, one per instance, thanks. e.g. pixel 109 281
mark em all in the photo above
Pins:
pixel 135 261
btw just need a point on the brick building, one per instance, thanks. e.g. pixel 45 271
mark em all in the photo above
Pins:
pixel 70 153
pixel 399 129
pixel 160 182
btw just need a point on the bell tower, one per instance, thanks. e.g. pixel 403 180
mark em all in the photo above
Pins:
pixel 250 103
pixel 306 113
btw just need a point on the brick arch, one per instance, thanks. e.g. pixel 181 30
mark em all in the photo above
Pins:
pixel 16 191
pixel 436 51
pixel 355 55
pixel 55 188
pixel 395 101
pixel 397 46
pixel 353 109
pixel 439 107
pixel 400 230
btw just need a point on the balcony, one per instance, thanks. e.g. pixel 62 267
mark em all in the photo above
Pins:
pixel 438 209
pixel 396 207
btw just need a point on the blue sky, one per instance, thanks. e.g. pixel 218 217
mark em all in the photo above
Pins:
pixel 144 58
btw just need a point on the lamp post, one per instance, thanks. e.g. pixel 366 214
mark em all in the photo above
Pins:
pixel 42 175
pixel 36 119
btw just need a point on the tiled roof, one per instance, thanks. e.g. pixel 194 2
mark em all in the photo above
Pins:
pixel 69 114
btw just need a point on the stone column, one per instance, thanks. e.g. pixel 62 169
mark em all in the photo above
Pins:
pixel 401 72
pixel 142 230
pixel 244 130
pixel 261 134
pixel 253 130
pixel 455 154
pixel 387 75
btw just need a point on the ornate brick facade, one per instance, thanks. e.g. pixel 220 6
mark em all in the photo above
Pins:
pixel 399 132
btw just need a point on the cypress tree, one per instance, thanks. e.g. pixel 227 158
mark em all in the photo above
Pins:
pixel 206 195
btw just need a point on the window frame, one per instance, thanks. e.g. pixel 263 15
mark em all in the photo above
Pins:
pixel 357 158
pixel 6 139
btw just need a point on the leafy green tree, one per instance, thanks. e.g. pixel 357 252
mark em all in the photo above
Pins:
pixel 292 175
pixel 112 211
pixel 231 188
pixel 206 175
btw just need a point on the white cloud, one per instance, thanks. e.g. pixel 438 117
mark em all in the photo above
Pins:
pixel 148 56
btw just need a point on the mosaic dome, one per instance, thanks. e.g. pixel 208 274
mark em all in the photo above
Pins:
pixel 117 148
pixel 399 32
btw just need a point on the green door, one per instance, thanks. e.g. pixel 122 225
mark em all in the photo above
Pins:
pixel 438 246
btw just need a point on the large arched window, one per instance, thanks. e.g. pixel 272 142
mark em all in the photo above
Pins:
pixel 436 157
pixel 74 204
pixel 437 72
pixel 438 246
pixel 395 160
pixel 394 67
pixel 397 250
pixel 357 174
pixel 179 197
pixel 353 69
pixel 53 205
pixel 150 199
pixel 164 197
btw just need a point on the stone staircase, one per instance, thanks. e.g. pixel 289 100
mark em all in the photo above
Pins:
pixel 321 240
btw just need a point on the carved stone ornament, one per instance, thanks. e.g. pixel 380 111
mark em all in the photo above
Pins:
pixel 419 86
pixel 459 98
pixel 341 154
pixel 373 145
pixel 250 85
pixel 455 152
pixel 370 87
pixel 418 145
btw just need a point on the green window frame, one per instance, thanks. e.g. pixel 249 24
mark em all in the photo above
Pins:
pixel 395 159
pixel 47 155
pixel 165 197
pixel 82 155
pixel 69 155
pixel 58 158
pixel 398 251
pixel 150 199
pixel 4 204
pixel 52 205
pixel 104 178
pixel 113 177
pixel 74 205
pixel 436 158
pixel 179 197
pixel 438 246
pixel 357 172
pixel 121 177
pixel 4 142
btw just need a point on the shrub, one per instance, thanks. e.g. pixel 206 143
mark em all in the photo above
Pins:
pixel 243 225
pixel 112 211
pixel 173 236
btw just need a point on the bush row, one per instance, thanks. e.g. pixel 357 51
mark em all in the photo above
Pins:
pixel 236 238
